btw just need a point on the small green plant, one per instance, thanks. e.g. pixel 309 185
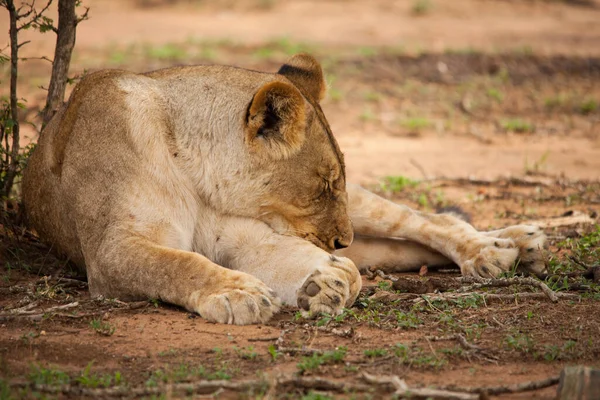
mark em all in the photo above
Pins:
pixel 247 354
pixel 517 125
pixel 373 353
pixel 553 352
pixel 5 391
pixel 415 124
pixel 312 363
pixel 384 285
pixel 154 302
pixel 588 106
pixel 102 328
pixel 537 165
pixel 554 102
pixel 335 94
pixel 520 342
pixel 273 352
pixel 495 94
pixel 48 376
pixel 423 200
pixel 91 380
pixel 407 320
pixel 421 7
pixel 397 183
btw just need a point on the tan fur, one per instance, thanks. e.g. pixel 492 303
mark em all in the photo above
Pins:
pixel 223 190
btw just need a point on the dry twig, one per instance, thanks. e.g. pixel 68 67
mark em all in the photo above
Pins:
pixel 477 283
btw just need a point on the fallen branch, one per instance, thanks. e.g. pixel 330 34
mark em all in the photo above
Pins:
pixel 264 339
pixel 516 388
pixel 574 219
pixel 492 296
pixel 27 312
pixel 402 389
pixel 387 383
pixel 478 283
pixel 459 338
pixel 299 351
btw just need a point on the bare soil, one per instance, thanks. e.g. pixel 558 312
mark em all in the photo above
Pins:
pixel 491 105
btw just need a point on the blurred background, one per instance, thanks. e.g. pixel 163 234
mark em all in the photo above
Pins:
pixel 421 88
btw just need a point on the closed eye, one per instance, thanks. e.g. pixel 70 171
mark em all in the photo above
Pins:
pixel 325 188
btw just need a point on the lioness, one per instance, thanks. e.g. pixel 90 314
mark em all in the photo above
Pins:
pixel 223 190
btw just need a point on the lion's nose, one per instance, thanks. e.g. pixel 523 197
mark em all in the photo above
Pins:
pixel 338 244
pixel 341 242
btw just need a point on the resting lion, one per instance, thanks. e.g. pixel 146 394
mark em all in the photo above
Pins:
pixel 223 190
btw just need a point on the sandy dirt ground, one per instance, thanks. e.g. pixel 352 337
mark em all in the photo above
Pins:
pixel 493 106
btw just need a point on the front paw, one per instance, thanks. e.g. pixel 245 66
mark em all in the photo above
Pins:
pixel 330 289
pixel 531 242
pixel 488 257
pixel 241 299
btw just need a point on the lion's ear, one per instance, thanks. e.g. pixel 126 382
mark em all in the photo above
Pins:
pixel 304 71
pixel 276 120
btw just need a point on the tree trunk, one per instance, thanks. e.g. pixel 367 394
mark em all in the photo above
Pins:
pixel 65 41
pixel 14 109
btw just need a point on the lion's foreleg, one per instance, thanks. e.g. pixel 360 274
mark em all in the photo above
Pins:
pixel 300 273
pixel 129 266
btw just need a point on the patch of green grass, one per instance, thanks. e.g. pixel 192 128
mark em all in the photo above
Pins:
pixel 167 353
pixel 335 94
pixel 554 102
pixel 537 165
pixel 588 106
pixel 585 249
pixel 372 96
pixel 102 328
pixel 367 51
pixel 48 376
pixel 407 320
pixel 421 7
pixel 166 52
pixel 374 353
pixel 184 372
pixel 520 342
pixel 312 363
pixel 367 115
pixel 415 356
pixel 247 353
pixel 92 380
pixel 5 391
pixel 517 125
pixel 495 94
pixel 384 285
pixel 415 124
pixel 397 183
pixel 564 352
pixel 423 200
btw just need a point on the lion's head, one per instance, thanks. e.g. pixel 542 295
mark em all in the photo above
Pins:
pixel 288 135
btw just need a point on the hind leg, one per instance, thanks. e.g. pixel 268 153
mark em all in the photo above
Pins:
pixel 476 253
pixel 391 255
